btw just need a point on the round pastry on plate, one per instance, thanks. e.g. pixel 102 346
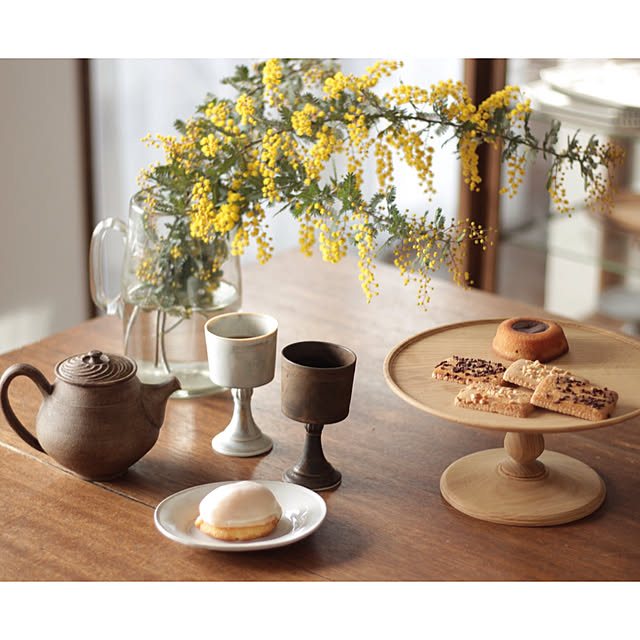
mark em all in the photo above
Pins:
pixel 530 338
pixel 239 511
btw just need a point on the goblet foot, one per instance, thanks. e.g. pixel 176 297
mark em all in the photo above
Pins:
pixel 329 479
pixel 313 470
pixel 242 436
pixel 229 444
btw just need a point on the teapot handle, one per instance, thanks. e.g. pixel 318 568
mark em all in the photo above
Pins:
pixel 41 382
pixel 111 306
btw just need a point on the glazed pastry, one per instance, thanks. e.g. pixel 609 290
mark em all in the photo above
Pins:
pixel 574 397
pixel 469 370
pixel 504 400
pixel 530 338
pixel 239 511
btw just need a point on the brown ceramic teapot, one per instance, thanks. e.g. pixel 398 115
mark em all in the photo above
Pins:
pixel 97 418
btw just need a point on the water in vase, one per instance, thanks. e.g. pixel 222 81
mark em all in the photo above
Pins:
pixel 165 343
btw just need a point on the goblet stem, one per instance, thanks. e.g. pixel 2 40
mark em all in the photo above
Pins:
pixel 313 470
pixel 242 436
pixel 242 423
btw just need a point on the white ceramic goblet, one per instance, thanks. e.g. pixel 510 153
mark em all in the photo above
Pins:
pixel 241 348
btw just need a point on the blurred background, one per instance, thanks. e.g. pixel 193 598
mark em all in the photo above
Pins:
pixel 71 135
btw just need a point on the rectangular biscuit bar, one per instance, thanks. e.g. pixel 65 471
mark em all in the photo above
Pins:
pixel 505 400
pixel 574 397
pixel 528 373
pixel 469 370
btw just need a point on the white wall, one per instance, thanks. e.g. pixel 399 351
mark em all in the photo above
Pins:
pixel 43 249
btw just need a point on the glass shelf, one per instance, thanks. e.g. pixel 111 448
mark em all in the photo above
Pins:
pixel 591 263
pixel 591 268
pixel 556 236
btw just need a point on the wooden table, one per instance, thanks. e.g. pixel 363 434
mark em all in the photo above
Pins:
pixel 386 522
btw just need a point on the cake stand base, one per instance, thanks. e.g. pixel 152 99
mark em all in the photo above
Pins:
pixel 477 486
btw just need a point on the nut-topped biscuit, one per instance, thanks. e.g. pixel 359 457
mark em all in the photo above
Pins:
pixel 469 370
pixel 528 373
pixel 574 397
pixel 505 400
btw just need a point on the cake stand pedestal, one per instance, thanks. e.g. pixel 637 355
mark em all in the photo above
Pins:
pixel 522 483
pixel 539 488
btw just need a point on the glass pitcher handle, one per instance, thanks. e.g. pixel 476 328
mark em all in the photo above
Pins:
pixel 112 306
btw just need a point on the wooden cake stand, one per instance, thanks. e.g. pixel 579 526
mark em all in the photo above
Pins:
pixel 520 484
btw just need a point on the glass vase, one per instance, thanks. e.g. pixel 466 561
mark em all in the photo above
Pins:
pixel 171 284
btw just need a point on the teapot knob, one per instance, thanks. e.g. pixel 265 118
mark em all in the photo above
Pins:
pixel 95 356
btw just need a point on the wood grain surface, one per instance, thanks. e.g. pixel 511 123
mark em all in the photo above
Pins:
pixel 386 522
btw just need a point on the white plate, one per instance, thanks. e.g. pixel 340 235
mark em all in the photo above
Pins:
pixel 600 82
pixel 303 511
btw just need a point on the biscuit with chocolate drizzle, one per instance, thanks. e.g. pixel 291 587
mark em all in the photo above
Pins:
pixel 574 397
pixel 469 370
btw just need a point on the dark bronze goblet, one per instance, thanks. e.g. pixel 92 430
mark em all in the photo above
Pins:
pixel 317 379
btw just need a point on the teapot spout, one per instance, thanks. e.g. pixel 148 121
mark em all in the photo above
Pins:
pixel 154 399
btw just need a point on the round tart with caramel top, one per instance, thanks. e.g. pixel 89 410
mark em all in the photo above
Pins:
pixel 530 338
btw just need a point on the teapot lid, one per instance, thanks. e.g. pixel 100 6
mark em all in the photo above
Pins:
pixel 95 368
